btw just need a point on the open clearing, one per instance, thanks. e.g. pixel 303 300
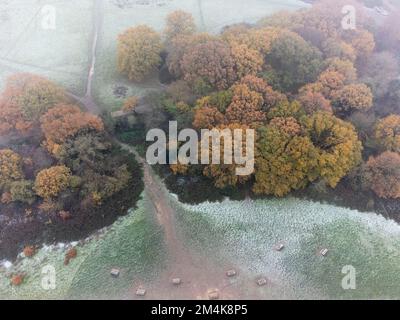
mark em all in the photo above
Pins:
pixel 60 54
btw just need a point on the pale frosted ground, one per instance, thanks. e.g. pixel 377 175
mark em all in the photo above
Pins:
pixel 133 243
pixel 61 54
pixel 245 233
pixel 242 234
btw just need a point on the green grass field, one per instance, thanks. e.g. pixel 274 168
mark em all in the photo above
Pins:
pixel 133 244
pixel 245 232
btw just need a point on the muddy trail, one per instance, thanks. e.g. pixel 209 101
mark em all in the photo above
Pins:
pixel 199 275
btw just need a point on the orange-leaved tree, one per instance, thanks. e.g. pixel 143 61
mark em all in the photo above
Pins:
pixel 179 23
pixel 51 182
pixel 387 133
pixel 382 175
pixel 25 98
pixel 64 121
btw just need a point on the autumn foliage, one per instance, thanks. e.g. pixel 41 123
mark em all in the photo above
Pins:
pixel 353 97
pixel 10 167
pixel 50 182
pixel 245 107
pixel 64 121
pixel 209 65
pixel 300 80
pixel 387 133
pixel 25 98
pixel 130 104
pixel 139 51
pixel 179 23
pixel 382 175
pixel 224 174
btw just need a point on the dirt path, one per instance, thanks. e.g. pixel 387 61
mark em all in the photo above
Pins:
pixel 199 274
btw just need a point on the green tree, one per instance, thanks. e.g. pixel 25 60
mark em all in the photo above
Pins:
pixel 22 191
pixel 337 144
pixel 295 61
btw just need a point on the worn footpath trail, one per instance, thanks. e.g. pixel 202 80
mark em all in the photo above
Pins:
pixel 199 274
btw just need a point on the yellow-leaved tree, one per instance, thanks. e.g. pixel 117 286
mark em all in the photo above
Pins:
pixel 51 182
pixel 139 50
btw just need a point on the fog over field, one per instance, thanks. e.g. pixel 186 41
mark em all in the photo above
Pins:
pixel 147 243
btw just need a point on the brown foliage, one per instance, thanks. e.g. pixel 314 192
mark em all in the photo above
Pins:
pixel 387 133
pixel 259 40
pixel 6 198
pixel 50 182
pixel 25 98
pixel 209 64
pixel 382 175
pixel 353 97
pixel 130 104
pixel 330 81
pixel 336 48
pixel 245 107
pixel 179 23
pixel 64 121
pixel 313 102
pixel 363 42
pixel 288 125
pixel 32 94
pixel 207 117
pixel 179 46
pixel 224 174
pixel 11 118
pixel 71 254
pixel 17 280
pixel 344 67
pixel 29 251
pixel 247 61
pixel 270 96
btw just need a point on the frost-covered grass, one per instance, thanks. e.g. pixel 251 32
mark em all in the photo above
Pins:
pixel 210 16
pixel 245 233
pixel 61 54
pixel 240 233
pixel 133 244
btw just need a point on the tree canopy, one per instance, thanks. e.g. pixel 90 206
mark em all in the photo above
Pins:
pixel 139 50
